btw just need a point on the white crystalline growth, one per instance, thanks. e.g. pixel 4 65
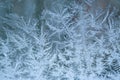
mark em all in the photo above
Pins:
pixel 75 41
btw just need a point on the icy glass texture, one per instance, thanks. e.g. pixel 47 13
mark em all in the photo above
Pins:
pixel 59 40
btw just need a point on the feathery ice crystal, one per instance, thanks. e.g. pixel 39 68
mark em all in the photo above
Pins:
pixel 72 40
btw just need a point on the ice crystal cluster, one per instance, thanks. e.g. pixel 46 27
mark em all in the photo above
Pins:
pixel 71 40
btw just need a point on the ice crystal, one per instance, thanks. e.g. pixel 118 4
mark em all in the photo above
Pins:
pixel 72 40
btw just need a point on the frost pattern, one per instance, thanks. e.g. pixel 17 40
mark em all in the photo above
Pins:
pixel 22 50
pixel 73 42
